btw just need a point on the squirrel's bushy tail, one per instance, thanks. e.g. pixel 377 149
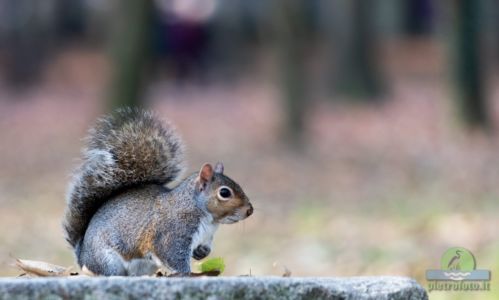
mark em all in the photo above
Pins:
pixel 127 148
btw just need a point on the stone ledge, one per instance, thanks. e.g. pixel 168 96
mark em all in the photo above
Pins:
pixel 382 287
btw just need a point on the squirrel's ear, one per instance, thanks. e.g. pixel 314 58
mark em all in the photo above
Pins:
pixel 205 174
pixel 219 168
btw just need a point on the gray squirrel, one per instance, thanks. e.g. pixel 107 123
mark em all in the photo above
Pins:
pixel 122 219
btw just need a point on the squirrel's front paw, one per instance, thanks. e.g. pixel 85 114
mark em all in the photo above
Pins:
pixel 201 252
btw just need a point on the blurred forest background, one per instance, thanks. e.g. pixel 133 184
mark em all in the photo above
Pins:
pixel 365 132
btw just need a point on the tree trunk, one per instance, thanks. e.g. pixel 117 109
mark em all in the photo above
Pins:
pixel 291 35
pixel 469 73
pixel 358 73
pixel 418 17
pixel 130 51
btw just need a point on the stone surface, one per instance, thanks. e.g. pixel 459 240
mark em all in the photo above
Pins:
pixel 211 288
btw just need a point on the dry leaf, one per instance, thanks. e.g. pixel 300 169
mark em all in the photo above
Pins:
pixel 85 271
pixel 40 268
pixel 287 272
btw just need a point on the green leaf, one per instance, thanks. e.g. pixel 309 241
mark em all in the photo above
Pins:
pixel 213 264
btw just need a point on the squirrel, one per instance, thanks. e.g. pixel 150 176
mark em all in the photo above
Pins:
pixel 122 219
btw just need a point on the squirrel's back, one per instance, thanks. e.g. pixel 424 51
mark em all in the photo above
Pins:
pixel 128 148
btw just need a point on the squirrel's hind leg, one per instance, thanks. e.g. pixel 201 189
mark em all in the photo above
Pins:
pixel 141 267
pixel 105 261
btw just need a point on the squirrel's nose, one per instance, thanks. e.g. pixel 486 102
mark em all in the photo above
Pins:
pixel 249 212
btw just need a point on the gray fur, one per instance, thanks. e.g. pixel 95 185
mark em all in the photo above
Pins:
pixel 128 148
pixel 113 229
pixel 121 219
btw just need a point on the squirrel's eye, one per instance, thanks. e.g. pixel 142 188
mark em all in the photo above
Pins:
pixel 224 193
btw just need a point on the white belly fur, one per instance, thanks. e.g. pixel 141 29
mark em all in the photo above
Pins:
pixel 204 233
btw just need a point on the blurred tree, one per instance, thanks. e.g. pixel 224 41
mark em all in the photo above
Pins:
pixel 291 34
pixel 469 74
pixel 358 72
pixel 418 19
pixel 130 51
pixel 28 37
pixel 70 18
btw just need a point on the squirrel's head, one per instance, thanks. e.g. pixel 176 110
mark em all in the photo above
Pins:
pixel 226 200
